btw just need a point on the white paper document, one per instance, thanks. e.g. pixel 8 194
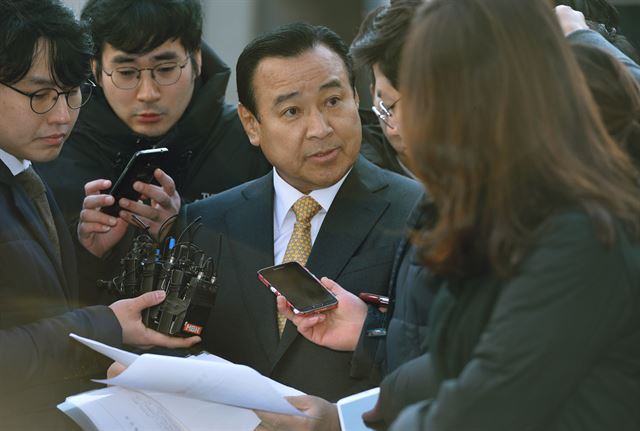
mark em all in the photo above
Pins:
pixel 171 393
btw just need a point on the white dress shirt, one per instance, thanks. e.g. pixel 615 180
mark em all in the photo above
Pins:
pixel 14 164
pixel 284 217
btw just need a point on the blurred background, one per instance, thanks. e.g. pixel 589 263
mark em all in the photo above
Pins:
pixel 231 24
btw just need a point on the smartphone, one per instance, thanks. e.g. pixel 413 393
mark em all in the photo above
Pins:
pixel 304 292
pixel 140 168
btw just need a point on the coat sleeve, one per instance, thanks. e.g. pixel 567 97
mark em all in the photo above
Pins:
pixel 412 382
pixel 550 324
pixel 42 351
pixel 593 38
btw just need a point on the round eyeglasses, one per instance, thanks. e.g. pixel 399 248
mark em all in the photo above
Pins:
pixel 385 113
pixel 128 78
pixel 43 100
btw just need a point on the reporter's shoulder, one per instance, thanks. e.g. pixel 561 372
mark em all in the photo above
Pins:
pixel 402 187
pixel 581 231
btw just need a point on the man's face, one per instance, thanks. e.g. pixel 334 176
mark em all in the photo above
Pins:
pixel 383 91
pixel 25 134
pixel 149 109
pixel 309 127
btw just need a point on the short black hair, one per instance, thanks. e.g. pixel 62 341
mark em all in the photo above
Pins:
pixel 25 22
pixel 290 40
pixel 140 26
pixel 382 35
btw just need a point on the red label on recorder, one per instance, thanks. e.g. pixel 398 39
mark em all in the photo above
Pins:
pixel 192 329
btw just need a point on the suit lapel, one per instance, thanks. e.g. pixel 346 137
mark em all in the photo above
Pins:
pixel 250 228
pixel 353 213
pixel 33 222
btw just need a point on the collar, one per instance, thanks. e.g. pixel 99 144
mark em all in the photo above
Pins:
pixel 286 195
pixel 14 164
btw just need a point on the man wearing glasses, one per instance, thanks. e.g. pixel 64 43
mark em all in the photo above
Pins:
pixel 44 64
pixel 158 85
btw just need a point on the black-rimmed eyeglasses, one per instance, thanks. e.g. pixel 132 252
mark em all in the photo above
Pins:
pixel 44 99
pixel 385 113
pixel 128 78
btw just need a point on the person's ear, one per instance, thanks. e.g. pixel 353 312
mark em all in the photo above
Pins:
pixel 94 70
pixel 250 124
pixel 197 56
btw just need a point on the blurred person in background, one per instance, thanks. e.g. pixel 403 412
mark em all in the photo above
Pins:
pixel 617 96
pixel 602 17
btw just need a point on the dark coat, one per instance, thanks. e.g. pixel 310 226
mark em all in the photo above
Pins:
pixel 406 322
pixel 554 348
pixel 39 364
pixel 355 247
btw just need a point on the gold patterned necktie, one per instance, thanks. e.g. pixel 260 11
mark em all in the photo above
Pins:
pixel 299 246
pixel 35 189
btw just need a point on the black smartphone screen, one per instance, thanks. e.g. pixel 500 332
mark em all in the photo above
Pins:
pixel 140 168
pixel 300 288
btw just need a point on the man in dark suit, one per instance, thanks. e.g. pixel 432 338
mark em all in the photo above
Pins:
pixel 298 104
pixel 44 62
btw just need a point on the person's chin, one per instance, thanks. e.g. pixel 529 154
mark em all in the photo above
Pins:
pixel 45 155
pixel 151 130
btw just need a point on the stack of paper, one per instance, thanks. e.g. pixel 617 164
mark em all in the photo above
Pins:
pixel 169 393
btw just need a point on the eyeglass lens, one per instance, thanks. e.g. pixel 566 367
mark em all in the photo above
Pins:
pixel 383 113
pixel 44 100
pixel 163 74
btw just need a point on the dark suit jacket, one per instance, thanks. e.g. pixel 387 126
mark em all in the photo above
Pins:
pixel 38 360
pixel 354 247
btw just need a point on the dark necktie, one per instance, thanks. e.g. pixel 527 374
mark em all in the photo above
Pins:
pixel 35 189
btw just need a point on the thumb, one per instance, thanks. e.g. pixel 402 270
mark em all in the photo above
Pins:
pixel 301 402
pixel 332 286
pixel 149 299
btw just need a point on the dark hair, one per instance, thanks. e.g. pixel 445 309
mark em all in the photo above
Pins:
pixel 617 96
pixel 382 35
pixel 289 40
pixel 139 26
pixel 504 133
pixel 25 22
pixel 603 17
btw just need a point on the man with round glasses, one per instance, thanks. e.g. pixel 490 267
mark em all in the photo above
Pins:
pixel 44 66
pixel 44 99
pixel 158 85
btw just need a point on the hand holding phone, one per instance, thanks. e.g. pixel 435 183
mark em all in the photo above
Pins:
pixel 338 328
pixel 303 291
pixel 140 168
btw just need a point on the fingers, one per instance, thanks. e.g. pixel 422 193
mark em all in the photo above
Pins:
pixel 283 307
pixel 332 286
pixel 305 324
pixel 148 299
pixel 374 415
pixel 162 194
pixel 138 208
pixel 157 339
pixel 96 186
pixel 165 181
pixel 115 369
